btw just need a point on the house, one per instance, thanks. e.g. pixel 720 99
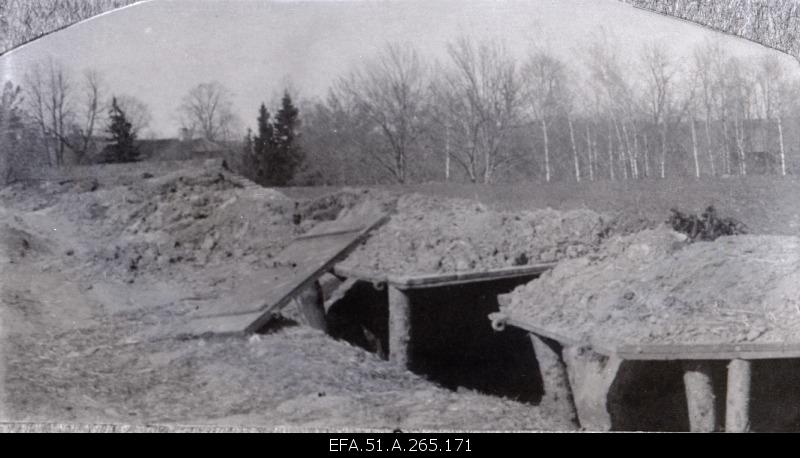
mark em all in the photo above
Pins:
pixel 173 149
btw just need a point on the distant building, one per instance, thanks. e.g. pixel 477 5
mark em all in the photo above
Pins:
pixel 173 149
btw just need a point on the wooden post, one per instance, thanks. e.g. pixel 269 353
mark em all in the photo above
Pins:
pixel 312 304
pixel 737 406
pixel 555 379
pixel 591 376
pixel 399 326
pixel 700 396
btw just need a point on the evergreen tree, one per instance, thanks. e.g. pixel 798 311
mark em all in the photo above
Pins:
pixel 263 147
pixel 287 156
pixel 123 140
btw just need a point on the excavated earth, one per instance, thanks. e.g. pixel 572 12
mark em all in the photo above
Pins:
pixel 654 287
pixel 429 235
pixel 95 274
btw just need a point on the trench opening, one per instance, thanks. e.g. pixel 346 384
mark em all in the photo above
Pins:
pixel 453 343
pixel 454 346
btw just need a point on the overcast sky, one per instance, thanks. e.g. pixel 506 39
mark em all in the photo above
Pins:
pixel 160 49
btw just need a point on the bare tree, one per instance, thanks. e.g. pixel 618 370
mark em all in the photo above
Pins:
pixel 89 114
pixel 48 90
pixel 390 90
pixel 10 118
pixel 772 96
pixel 704 63
pixel 207 109
pixel 544 77
pixel 659 88
pixel 479 99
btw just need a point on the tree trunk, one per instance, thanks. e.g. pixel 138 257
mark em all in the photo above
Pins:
pixel 621 154
pixel 726 149
pixel 646 157
pixel 590 152
pixel 446 154
pixel 694 149
pixel 663 150
pixel 546 152
pixel 708 146
pixel 780 141
pixel 739 135
pixel 574 151
pixel 610 151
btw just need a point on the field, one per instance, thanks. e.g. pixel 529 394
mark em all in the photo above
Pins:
pixel 98 270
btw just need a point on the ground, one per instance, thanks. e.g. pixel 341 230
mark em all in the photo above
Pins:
pixel 96 274
pixel 98 270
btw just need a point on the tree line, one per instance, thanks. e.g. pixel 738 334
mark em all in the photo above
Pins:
pixel 479 114
pixel 484 115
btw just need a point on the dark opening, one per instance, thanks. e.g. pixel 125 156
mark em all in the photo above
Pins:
pixel 453 343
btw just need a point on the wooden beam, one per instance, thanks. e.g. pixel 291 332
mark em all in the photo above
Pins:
pixel 555 379
pixel 700 396
pixel 591 376
pixel 460 278
pixel 399 327
pixel 737 405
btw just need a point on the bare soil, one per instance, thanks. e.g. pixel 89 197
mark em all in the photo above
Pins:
pixel 654 287
pixel 96 275
pixel 436 235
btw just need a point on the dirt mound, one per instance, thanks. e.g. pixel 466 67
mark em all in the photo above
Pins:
pixel 191 218
pixel 19 242
pixel 328 207
pixel 433 235
pixel 655 287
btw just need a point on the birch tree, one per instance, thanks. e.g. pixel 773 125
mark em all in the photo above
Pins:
pixel 479 96
pixel 390 90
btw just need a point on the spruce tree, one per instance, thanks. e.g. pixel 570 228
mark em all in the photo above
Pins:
pixel 287 155
pixel 263 147
pixel 123 140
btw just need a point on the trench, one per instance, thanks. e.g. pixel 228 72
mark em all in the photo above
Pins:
pixel 453 342
pixel 455 347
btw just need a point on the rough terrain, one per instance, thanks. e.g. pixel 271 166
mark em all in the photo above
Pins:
pixel 96 273
pixel 655 287
pixel 436 235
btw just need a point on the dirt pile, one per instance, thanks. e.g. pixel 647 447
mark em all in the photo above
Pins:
pixel 656 287
pixel 435 235
pixel 193 217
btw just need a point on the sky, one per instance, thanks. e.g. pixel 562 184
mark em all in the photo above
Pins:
pixel 160 49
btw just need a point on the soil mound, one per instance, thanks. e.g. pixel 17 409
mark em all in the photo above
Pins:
pixel 18 242
pixel 433 235
pixel 656 287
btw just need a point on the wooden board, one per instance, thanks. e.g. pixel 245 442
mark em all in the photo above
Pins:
pixel 458 278
pixel 674 352
pixel 747 350
pixel 299 265
pixel 446 279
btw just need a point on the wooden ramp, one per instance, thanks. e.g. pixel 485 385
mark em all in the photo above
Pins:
pixel 297 267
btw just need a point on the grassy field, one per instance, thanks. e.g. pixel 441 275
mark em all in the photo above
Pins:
pixel 765 204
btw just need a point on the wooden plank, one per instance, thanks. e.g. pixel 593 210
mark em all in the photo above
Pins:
pixel 301 263
pixel 710 351
pixel 458 278
pixel 737 404
pixel 671 352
